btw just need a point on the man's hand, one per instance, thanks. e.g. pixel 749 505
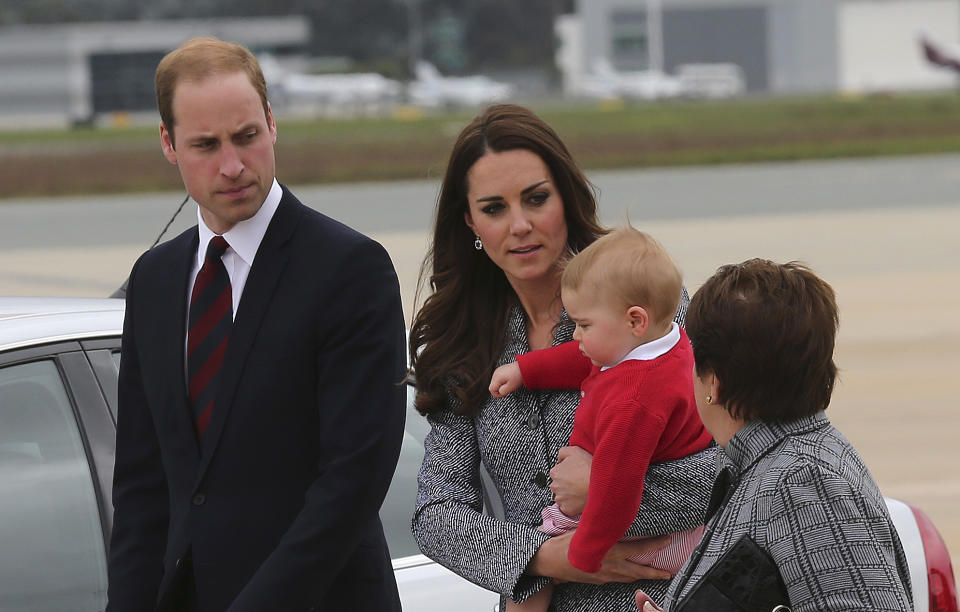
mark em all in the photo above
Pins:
pixel 505 380
pixel 570 479
pixel 551 561
pixel 645 604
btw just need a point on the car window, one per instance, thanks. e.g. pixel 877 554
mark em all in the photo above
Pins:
pixel 52 553
pixel 397 510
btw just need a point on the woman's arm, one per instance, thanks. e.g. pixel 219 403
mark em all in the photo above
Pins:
pixel 448 523
pixel 508 558
pixel 551 561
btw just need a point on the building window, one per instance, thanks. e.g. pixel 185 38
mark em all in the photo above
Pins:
pixel 629 42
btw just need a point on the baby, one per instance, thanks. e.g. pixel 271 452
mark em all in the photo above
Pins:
pixel 633 365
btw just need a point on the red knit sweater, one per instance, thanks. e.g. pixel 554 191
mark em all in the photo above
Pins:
pixel 631 415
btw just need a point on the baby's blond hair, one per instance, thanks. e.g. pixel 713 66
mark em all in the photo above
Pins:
pixel 631 267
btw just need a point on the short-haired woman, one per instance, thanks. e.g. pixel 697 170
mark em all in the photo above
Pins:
pixel 791 488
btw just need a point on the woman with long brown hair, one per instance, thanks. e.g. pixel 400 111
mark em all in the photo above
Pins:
pixel 513 206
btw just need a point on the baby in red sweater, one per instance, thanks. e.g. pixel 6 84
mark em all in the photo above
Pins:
pixel 633 365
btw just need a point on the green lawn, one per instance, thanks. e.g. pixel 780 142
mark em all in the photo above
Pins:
pixel 93 160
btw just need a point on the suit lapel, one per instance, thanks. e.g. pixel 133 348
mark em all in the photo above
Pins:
pixel 173 292
pixel 257 293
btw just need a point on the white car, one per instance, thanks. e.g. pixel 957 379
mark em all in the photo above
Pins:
pixel 58 403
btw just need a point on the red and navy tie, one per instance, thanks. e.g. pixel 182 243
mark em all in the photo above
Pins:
pixel 211 317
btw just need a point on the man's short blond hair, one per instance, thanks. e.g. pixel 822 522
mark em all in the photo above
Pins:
pixel 197 59
pixel 630 267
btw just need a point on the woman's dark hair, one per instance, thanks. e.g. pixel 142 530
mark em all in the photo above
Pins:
pixel 767 332
pixel 458 334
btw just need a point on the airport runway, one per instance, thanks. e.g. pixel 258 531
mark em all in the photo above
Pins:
pixel 882 232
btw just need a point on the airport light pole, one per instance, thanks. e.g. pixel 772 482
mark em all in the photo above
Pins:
pixel 414 34
pixel 655 35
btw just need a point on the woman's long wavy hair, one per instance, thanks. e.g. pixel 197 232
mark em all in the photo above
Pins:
pixel 458 334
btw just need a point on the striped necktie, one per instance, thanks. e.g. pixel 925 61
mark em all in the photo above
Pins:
pixel 211 317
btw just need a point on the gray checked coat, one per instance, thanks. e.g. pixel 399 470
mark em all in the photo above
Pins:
pixel 517 439
pixel 806 498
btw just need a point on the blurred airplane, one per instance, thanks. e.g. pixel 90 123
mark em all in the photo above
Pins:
pixel 346 92
pixel 712 81
pixel 606 83
pixel 430 89
pixel 947 56
pixel 341 89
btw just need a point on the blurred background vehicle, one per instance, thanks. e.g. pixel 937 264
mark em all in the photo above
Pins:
pixel 711 81
pixel 605 83
pixel 430 89
pixel 944 56
pixel 324 95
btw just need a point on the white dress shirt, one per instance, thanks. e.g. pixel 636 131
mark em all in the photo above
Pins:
pixel 244 239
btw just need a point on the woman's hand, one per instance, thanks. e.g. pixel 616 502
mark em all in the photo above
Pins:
pixel 551 561
pixel 570 479
pixel 505 380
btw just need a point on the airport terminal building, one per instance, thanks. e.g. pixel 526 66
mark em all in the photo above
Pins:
pixel 783 46
pixel 71 73
pixel 74 73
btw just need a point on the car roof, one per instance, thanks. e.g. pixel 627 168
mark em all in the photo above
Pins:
pixel 32 321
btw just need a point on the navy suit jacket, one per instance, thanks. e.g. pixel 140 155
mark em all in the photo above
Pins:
pixel 278 506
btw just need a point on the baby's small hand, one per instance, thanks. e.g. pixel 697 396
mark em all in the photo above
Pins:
pixel 570 479
pixel 505 380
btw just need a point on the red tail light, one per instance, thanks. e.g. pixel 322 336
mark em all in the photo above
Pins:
pixel 943 586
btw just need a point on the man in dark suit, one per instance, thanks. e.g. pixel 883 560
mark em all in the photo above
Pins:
pixel 261 410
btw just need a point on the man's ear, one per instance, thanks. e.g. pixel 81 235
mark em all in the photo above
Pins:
pixel 271 124
pixel 166 143
pixel 639 320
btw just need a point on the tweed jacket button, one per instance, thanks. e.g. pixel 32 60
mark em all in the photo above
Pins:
pixel 533 421
pixel 199 499
pixel 540 479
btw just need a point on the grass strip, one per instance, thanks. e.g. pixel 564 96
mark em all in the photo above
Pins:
pixel 611 135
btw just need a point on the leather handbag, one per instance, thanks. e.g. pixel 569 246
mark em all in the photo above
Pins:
pixel 744 579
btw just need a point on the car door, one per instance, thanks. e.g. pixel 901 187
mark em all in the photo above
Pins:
pixel 56 459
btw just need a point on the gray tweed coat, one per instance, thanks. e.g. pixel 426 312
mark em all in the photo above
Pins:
pixel 804 495
pixel 517 439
